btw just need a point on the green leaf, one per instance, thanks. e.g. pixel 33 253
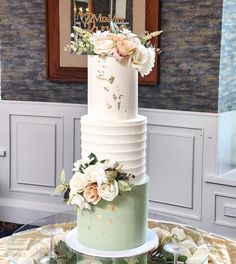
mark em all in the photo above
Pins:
pixel 63 177
pixel 60 188
pixel 66 194
pixel 124 186
pixel 52 261
pixel 111 175
pixel 65 255
pixel 61 248
pixel 93 159
pixel 170 256
pixel 182 258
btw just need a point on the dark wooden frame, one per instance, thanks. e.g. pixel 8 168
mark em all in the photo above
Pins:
pixel 79 74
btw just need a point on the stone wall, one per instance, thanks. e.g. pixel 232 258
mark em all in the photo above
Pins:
pixel 189 64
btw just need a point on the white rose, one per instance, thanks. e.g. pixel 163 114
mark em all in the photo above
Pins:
pixel 136 41
pixel 103 43
pixel 143 59
pixel 139 58
pixel 110 164
pixel 199 256
pixel 79 201
pixel 96 173
pixel 178 233
pixel 108 191
pixel 189 244
pixel 147 67
pixel 128 33
pixel 78 182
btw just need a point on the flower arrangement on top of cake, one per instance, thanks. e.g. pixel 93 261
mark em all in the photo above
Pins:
pixel 135 50
pixel 94 180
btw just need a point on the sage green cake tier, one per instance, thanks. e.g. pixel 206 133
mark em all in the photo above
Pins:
pixel 117 225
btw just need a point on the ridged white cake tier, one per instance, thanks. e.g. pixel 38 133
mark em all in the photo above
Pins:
pixel 124 141
pixel 112 89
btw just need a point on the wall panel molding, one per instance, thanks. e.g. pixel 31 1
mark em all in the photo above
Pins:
pixel 225 210
pixel 76 140
pixel 178 152
pixel 36 144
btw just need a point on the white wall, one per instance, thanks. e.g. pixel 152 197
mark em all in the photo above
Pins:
pixel 37 140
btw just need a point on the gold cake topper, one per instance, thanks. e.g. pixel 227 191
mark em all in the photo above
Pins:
pixel 93 22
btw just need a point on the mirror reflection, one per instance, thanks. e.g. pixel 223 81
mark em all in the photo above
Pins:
pixel 96 15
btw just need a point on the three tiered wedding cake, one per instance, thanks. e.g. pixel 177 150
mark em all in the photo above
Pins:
pixel 114 130
pixel 109 185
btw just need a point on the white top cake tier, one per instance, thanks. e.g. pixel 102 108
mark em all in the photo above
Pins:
pixel 112 89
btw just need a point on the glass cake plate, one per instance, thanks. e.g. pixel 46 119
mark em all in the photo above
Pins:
pixel 46 237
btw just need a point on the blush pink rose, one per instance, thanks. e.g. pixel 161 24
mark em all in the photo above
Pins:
pixel 125 48
pixel 91 194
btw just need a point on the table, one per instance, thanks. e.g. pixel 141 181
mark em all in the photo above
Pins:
pixel 29 242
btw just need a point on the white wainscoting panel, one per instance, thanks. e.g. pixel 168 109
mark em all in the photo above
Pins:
pixel 36 152
pixel 225 210
pixel 219 208
pixel 177 184
pixel 178 151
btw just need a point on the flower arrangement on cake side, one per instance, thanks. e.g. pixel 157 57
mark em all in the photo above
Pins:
pixel 125 46
pixel 93 181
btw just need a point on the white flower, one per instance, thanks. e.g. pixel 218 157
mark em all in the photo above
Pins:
pixel 162 233
pixel 78 200
pixel 80 162
pixel 103 43
pixel 128 33
pixel 25 260
pixel 78 182
pixel 77 165
pixel 150 61
pixel 143 59
pixel 108 191
pixel 139 58
pixel 199 256
pixel 96 173
pixel 189 244
pixel 110 164
pixel 178 233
